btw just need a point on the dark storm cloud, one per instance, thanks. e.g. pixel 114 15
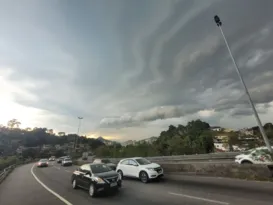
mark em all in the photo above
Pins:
pixel 130 58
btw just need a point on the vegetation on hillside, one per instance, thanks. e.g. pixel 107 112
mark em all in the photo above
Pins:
pixel 194 138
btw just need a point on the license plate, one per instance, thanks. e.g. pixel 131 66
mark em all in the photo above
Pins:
pixel 113 184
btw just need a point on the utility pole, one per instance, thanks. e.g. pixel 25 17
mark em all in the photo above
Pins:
pixel 76 137
pixel 219 24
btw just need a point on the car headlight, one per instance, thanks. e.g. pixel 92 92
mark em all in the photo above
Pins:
pixel 99 180
pixel 151 169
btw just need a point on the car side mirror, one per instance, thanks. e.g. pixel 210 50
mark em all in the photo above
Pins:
pixel 136 165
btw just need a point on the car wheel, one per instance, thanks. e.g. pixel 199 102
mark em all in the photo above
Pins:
pixel 120 173
pixel 74 184
pixel 144 177
pixel 246 162
pixel 92 190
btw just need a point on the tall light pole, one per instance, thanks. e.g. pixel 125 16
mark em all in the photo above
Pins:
pixel 76 140
pixel 219 24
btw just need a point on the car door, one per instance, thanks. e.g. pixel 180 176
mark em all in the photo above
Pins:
pixel 123 166
pixel 81 177
pixel 133 168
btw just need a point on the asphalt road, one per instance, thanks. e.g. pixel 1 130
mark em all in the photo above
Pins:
pixel 51 186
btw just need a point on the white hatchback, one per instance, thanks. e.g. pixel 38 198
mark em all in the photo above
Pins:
pixel 139 167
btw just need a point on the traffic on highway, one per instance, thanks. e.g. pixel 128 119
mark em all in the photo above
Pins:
pixel 97 183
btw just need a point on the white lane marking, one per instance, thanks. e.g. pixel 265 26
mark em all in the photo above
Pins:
pixel 48 189
pixel 199 198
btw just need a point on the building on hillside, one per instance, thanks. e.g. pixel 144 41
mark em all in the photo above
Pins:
pixel 20 149
pixel 129 142
pixel 246 131
pixel 228 130
pixel 148 140
pixel 58 147
pixel 46 147
pixel 216 128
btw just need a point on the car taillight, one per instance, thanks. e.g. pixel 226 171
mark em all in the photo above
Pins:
pixel 39 163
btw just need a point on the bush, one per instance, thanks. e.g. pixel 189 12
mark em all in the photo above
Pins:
pixel 7 161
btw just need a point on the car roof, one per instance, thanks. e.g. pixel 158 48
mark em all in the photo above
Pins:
pixel 132 158
pixel 93 164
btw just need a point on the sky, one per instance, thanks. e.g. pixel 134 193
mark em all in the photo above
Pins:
pixel 131 68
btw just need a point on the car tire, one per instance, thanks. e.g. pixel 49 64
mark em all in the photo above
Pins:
pixel 74 184
pixel 120 173
pixel 92 190
pixel 246 162
pixel 143 176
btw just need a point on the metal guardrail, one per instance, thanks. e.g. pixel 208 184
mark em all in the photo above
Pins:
pixel 223 156
pixel 5 172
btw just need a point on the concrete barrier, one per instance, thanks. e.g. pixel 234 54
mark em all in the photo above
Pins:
pixel 250 172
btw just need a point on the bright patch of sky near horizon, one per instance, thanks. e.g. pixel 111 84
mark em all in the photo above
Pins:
pixel 133 67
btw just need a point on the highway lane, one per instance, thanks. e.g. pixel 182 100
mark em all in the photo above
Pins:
pixel 21 188
pixel 57 178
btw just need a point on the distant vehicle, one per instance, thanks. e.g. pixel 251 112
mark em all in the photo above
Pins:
pixel 105 161
pixel 96 178
pixel 42 163
pixel 141 168
pixel 52 158
pixel 260 155
pixel 59 160
pixel 66 162
pixel 85 156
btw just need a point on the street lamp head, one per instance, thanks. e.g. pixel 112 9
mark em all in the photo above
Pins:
pixel 80 118
pixel 217 20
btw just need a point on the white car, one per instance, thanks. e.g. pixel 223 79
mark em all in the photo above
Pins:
pixel 139 167
pixel 258 155
pixel 66 162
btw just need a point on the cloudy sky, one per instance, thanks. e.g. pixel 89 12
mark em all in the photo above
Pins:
pixel 133 67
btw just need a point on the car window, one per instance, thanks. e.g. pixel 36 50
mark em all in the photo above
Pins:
pixel 143 161
pixel 105 161
pixel 97 161
pixel 132 162
pixel 43 160
pixel 100 168
pixel 125 162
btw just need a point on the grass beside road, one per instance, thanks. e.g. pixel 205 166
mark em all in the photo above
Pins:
pixel 7 161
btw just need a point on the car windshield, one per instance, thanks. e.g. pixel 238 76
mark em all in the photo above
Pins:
pixel 105 161
pixel 100 168
pixel 249 151
pixel 143 161
pixel 43 160
pixel 67 159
